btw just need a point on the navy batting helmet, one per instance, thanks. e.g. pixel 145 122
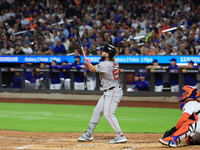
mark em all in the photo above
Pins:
pixel 110 49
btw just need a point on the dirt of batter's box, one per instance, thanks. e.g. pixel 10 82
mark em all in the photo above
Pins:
pixel 89 102
pixel 68 141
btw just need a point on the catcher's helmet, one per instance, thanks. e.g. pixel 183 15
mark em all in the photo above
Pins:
pixel 188 92
pixel 110 49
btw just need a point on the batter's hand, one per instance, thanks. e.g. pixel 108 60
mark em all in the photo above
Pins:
pixel 86 62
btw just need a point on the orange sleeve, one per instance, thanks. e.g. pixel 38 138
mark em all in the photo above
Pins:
pixel 182 120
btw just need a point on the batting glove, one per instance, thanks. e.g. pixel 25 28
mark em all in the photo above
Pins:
pixel 87 62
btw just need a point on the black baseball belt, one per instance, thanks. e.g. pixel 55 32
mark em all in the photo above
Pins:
pixel 110 88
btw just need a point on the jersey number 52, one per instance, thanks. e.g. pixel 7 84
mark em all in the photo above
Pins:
pixel 116 74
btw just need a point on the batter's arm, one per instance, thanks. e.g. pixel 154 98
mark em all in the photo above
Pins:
pixel 100 68
pixel 92 68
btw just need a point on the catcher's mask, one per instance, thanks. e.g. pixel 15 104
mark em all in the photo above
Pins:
pixel 187 92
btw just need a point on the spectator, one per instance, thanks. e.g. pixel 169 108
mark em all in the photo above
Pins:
pixel 36 34
pixel 60 48
pixel 27 33
pixel 36 48
pixel 65 31
pixel 179 33
pixel 127 51
pixel 169 39
pixel 45 49
pixel 17 81
pixel 84 26
pixel 174 51
pixel 11 43
pixel 134 52
pixel 48 38
pixel 32 25
pixel 142 85
pixel 162 51
pixel 158 76
pixel 192 50
pixel 27 49
pixel 26 40
pixel 72 33
pixel 99 51
pixel 18 50
pixel 139 33
pixel 182 49
pixel 4 49
pixel 151 50
pixel 74 22
pixel 51 45
pixel 66 43
pixel 157 44
pixel 24 21
pixel 118 38
pixel 55 36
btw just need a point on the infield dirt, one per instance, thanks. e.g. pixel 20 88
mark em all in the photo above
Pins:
pixel 68 141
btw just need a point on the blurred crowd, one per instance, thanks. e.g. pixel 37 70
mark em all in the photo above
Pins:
pixel 145 27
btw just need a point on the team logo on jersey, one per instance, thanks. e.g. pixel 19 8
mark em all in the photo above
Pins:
pixel 121 70
pixel 152 70
pixel 184 70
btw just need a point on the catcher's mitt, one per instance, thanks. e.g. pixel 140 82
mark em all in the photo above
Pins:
pixel 169 132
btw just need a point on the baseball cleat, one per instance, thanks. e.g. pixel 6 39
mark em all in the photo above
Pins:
pixel 172 144
pixel 162 141
pixel 168 143
pixel 84 137
pixel 119 139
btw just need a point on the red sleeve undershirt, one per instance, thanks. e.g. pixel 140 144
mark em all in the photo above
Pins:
pixel 182 120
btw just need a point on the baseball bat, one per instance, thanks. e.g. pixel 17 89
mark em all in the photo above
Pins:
pixel 79 40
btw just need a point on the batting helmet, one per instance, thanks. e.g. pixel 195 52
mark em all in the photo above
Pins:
pixel 110 49
pixel 188 92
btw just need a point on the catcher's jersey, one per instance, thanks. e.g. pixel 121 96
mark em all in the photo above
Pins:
pixel 109 74
pixel 192 107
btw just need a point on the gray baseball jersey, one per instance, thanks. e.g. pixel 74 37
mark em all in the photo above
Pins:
pixel 109 74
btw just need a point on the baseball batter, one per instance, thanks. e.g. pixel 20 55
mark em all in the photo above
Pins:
pixel 107 104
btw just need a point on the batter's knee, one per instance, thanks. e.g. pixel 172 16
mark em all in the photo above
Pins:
pixel 97 111
pixel 108 116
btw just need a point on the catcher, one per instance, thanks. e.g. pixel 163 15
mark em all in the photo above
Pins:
pixel 188 126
